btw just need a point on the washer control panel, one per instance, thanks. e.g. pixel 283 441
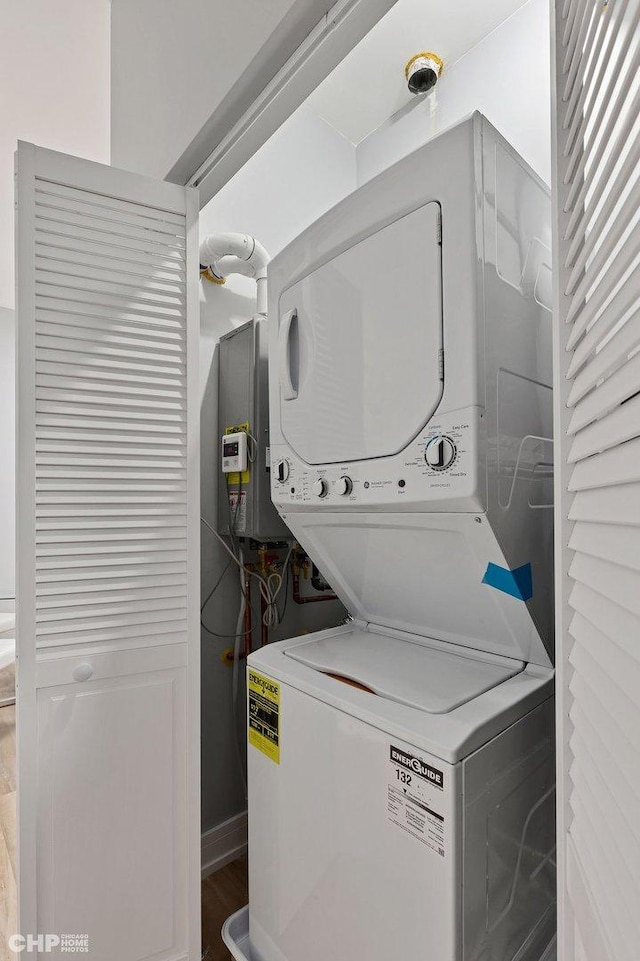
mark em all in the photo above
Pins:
pixel 440 465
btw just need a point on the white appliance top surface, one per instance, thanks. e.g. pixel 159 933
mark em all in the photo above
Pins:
pixel 433 679
pixel 493 702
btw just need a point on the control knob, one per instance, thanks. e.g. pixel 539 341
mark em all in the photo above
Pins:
pixel 320 487
pixel 439 453
pixel 344 486
pixel 282 471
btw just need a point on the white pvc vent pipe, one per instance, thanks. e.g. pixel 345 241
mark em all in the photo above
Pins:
pixel 228 253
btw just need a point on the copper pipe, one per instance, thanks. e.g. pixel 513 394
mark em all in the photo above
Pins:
pixel 263 565
pixel 312 599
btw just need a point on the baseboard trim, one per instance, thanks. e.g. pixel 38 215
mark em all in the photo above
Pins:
pixel 224 843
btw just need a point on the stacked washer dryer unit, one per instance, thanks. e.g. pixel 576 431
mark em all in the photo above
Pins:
pixel 409 812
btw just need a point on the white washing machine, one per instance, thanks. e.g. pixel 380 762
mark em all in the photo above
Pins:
pixel 401 767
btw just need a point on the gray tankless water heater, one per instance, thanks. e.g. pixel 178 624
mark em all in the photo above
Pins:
pixel 244 499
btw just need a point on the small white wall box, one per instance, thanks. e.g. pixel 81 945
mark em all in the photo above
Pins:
pixel 234 452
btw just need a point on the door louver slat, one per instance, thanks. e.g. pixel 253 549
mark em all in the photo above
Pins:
pixel 101 202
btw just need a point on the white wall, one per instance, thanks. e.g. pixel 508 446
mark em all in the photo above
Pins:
pixel 300 173
pixel 54 92
pixel 177 65
pixel 506 76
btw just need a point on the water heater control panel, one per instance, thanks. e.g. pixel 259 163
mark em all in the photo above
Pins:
pixel 439 470
pixel 234 452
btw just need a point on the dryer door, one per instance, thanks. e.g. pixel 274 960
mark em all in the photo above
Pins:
pixel 360 345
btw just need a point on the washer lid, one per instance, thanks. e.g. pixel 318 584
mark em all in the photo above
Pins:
pixel 434 679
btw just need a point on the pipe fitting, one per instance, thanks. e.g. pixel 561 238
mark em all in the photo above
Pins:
pixel 422 71
pixel 228 253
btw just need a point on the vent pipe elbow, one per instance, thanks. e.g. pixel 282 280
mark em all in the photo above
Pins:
pixel 228 253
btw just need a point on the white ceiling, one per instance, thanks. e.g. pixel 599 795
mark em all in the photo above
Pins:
pixel 368 86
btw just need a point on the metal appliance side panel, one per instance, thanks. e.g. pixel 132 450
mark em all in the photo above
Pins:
pixel 518 356
pixel 267 523
pixel 509 890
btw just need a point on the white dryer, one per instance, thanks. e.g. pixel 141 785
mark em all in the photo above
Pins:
pixel 401 767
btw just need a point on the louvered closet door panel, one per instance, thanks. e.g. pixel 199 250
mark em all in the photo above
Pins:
pixel 597 250
pixel 108 558
pixel 111 419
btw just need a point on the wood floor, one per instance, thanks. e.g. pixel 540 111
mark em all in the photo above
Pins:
pixel 8 896
pixel 223 893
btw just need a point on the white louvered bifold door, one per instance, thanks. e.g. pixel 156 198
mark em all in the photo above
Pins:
pixel 597 256
pixel 108 558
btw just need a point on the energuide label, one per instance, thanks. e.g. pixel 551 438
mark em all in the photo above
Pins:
pixel 414 796
pixel 264 714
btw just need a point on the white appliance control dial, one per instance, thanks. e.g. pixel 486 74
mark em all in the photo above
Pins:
pixel 320 487
pixel 282 471
pixel 439 453
pixel 344 486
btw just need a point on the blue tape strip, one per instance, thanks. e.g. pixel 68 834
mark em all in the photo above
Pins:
pixel 518 583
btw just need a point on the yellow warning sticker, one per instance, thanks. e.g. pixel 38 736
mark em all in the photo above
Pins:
pixel 264 714
pixel 236 477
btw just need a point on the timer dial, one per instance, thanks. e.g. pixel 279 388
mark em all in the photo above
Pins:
pixel 344 486
pixel 282 471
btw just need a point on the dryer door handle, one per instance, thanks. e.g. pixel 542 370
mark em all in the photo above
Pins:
pixel 289 392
